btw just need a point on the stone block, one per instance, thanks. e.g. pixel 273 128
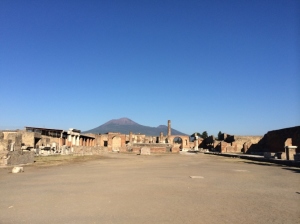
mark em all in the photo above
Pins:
pixel 288 142
pixel 17 169
pixel 145 151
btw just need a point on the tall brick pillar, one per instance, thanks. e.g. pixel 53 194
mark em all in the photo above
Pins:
pixel 169 127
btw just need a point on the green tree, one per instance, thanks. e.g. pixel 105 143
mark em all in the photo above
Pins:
pixel 219 135
pixel 204 135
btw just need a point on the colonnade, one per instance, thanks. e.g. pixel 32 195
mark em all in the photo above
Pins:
pixel 78 140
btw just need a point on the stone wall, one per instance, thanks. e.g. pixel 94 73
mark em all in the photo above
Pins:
pixel 28 138
pixel 236 146
pixel 175 150
pixel 10 149
pixel 240 140
pixel 19 157
pixel 88 150
pixel 274 141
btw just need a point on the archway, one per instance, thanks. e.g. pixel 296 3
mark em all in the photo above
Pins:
pixel 177 142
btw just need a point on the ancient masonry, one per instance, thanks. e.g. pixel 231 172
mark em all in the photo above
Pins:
pixel 20 146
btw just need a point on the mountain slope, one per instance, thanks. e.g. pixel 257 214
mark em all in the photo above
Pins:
pixel 125 125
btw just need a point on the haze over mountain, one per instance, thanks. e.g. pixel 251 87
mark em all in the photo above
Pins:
pixel 125 125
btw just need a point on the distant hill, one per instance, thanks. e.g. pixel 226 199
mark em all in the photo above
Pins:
pixel 125 125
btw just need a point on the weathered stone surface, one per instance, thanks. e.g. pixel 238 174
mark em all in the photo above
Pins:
pixel 4 157
pixel 17 169
pixel 18 142
pixel 19 157
pixel 290 151
pixel 275 141
pixel 145 151
pixel 1 135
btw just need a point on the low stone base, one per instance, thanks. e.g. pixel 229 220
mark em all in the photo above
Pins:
pixel 175 150
pixel 19 157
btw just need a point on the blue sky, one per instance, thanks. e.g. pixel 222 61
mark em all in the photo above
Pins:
pixel 230 66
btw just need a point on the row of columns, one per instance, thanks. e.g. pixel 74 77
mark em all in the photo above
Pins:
pixel 76 140
pixel 87 142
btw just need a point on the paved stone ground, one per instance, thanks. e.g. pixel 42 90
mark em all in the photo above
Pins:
pixel 126 188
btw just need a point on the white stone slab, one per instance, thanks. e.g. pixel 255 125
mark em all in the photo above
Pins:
pixel 241 170
pixel 196 177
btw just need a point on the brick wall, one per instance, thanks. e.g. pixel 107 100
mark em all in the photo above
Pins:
pixel 274 141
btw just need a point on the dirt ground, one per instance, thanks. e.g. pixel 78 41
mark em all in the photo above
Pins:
pixel 127 188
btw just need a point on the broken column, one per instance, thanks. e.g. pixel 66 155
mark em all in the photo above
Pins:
pixel 196 142
pixel 161 137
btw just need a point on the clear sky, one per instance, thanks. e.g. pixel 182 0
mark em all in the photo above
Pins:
pixel 229 66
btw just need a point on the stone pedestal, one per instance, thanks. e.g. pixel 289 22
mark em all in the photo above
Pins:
pixel 290 151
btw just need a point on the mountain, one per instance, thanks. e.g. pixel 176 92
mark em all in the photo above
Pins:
pixel 125 125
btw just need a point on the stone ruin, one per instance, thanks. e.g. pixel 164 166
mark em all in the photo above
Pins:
pixel 11 152
pixel 277 144
pixel 280 144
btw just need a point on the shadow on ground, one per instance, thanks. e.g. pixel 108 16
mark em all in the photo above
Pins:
pixel 295 170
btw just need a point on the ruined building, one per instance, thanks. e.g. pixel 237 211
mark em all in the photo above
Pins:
pixel 44 141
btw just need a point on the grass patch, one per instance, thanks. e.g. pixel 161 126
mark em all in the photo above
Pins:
pixel 55 160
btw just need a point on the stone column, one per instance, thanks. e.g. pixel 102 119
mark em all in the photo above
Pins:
pixel 73 140
pixel 130 137
pixel 169 127
pixel 80 141
pixel 196 142
pixel 60 141
pixel 76 140
pixel 69 140
pixel 161 137
pixel 245 147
